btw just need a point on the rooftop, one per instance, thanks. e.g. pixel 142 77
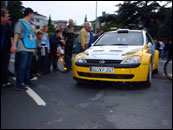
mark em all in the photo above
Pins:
pixel 39 14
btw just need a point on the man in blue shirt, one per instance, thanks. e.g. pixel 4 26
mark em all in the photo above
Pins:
pixel 90 38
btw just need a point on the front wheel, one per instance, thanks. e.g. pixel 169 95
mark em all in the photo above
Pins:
pixel 156 71
pixel 149 79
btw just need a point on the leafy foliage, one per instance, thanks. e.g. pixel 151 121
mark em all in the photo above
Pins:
pixel 50 26
pixel 151 15
pixel 15 10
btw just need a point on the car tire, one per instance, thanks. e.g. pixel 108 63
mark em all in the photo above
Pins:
pixel 156 71
pixel 149 78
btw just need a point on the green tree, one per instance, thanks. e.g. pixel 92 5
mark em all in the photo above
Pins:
pixel 128 14
pixel 15 10
pixel 143 14
pixel 166 31
pixel 107 22
pixel 108 27
pixel 51 29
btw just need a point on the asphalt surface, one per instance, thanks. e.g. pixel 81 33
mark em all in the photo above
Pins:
pixel 93 105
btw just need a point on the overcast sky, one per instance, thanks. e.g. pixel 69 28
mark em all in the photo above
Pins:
pixel 65 10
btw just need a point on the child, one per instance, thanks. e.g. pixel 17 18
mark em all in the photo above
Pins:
pixel 35 66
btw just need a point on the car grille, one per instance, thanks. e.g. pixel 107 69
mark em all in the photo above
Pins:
pixel 106 61
pixel 110 76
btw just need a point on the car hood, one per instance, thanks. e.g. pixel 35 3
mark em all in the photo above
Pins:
pixel 110 52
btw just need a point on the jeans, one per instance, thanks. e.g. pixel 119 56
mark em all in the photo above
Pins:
pixel 161 53
pixel 5 58
pixel 68 52
pixel 23 62
pixel 45 62
pixel 34 65
pixel 54 59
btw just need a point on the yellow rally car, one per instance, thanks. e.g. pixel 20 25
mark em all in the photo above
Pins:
pixel 119 56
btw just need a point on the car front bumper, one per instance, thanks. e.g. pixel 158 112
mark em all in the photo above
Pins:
pixel 122 73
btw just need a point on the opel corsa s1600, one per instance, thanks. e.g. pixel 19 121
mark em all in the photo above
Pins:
pixel 118 56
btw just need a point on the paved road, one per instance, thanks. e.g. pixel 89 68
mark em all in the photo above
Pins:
pixel 93 105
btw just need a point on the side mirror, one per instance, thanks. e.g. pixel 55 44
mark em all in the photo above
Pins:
pixel 149 45
pixel 92 44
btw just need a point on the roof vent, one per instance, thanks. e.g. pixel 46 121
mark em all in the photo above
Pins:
pixel 123 30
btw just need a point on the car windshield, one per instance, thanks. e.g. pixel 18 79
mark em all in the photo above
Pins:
pixel 114 38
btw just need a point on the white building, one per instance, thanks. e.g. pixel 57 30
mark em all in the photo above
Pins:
pixel 54 23
pixel 39 21
pixel 60 24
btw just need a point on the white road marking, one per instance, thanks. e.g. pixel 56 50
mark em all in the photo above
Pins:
pixel 35 97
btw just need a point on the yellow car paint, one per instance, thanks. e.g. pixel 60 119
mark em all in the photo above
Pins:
pixel 140 73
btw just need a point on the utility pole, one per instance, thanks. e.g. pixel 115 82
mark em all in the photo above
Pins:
pixel 96 20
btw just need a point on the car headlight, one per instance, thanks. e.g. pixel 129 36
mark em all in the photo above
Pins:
pixel 80 59
pixel 132 60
